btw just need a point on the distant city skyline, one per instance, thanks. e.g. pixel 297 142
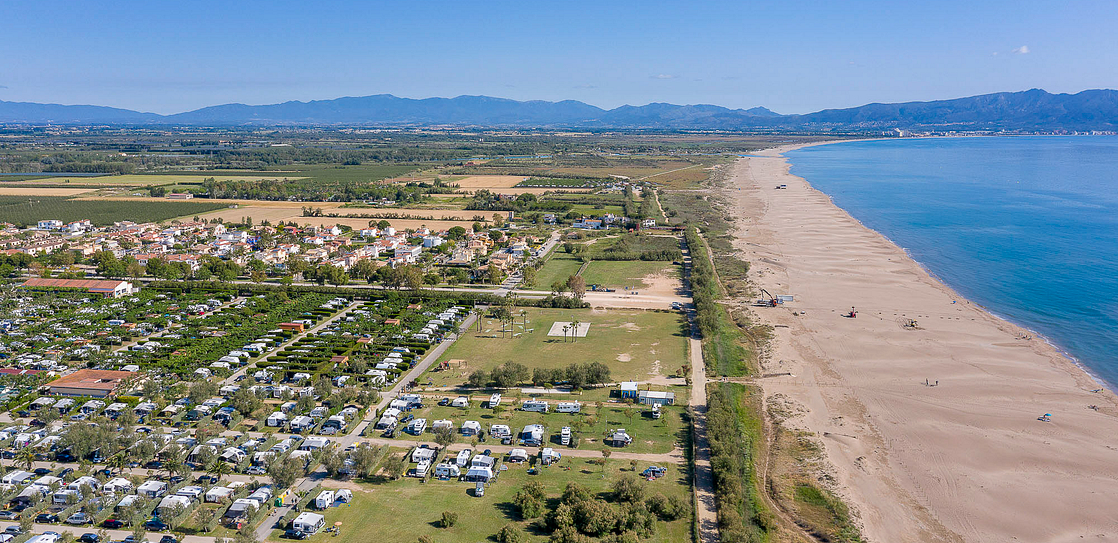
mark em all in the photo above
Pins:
pixel 791 57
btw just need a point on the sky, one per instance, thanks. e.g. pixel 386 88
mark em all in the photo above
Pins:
pixel 789 56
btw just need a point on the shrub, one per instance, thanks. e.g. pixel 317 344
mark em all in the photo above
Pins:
pixel 450 518
pixel 510 534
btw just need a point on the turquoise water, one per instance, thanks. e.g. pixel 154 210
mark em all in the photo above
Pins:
pixel 1025 226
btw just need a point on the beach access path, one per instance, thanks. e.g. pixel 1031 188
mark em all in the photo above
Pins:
pixel 964 460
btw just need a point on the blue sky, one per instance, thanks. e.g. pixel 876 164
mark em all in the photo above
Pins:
pixel 792 57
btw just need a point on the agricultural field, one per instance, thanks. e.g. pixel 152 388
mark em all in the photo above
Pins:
pixel 41 191
pixel 407 509
pixel 637 345
pixel 19 211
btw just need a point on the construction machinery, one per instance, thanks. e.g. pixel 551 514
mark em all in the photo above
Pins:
pixel 767 300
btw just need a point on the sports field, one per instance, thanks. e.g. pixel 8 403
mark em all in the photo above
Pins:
pixel 637 345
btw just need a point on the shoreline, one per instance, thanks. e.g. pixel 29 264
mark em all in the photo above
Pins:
pixel 964 463
pixel 780 150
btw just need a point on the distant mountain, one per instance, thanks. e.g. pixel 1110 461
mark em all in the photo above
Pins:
pixel 1028 110
pixel 19 112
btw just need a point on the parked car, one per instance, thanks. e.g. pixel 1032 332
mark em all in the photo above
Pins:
pixel 9 515
pixel 444 402
pixel 156 525
pixel 41 471
pixel 79 518
pixel 168 539
pixel 47 518
pixel 295 534
pixel 13 530
pixel 89 537
pixel 113 524
pixel 65 472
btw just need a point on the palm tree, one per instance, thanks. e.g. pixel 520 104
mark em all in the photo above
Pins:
pixel 26 457
pixel 117 462
pixel 574 330
pixel 566 327
pixel 220 468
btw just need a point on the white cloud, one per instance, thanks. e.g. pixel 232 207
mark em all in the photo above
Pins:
pixel 1023 50
pixel 663 76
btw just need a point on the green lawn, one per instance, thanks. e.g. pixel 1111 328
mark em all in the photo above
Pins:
pixel 557 268
pixel 621 274
pixel 406 509
pixel 636 345
pixel 649 435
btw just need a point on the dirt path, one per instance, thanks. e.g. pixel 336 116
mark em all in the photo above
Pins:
pixel 707 512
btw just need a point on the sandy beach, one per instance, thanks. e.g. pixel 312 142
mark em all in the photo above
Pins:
pixel 966 460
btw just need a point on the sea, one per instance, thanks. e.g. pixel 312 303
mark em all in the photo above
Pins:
pixel 1026 226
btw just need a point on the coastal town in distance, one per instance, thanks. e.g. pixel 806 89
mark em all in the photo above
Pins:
pixel 583 273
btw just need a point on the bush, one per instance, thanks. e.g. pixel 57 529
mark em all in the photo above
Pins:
pixel 510 534
pixel 530 500
pixel 450 518
pixel 628 489
pixel 668 509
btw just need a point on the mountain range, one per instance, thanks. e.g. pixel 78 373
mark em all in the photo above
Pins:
pixel 1032 110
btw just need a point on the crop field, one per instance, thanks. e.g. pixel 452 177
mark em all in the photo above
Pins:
pixel 474 182
pixel 407 509
pixel 41 191
pixel 636 345
pixel 19 211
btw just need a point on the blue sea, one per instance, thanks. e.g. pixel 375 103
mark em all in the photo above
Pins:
pixel 1025 226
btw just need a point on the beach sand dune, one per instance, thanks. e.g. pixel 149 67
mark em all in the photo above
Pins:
pixel 966 460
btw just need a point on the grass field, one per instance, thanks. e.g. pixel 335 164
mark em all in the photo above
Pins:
pixel 649 435
pixel 637 345
pixel 558 268
pixel 17 210
pixel 622 274
pixel 406 509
